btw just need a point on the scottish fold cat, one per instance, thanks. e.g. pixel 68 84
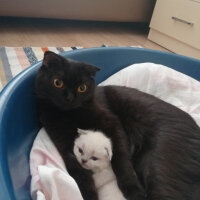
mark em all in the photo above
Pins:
pixel 93 151
pixel 155 145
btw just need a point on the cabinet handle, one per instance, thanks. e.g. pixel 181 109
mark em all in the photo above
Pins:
pixel 183 21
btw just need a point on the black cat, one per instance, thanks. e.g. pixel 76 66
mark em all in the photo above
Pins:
pixel 156 146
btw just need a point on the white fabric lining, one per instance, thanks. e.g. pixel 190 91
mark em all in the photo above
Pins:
pixel 50 179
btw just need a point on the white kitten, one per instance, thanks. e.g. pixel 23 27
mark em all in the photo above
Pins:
pixel 93 151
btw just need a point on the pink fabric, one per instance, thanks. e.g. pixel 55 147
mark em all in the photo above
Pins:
pixel 50 179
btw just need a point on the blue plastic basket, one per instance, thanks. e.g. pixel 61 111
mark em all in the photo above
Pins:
pixel 19 124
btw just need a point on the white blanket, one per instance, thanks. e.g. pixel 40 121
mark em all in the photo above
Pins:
pixel 50 179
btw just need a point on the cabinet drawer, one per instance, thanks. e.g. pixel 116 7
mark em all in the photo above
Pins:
pixel 179 19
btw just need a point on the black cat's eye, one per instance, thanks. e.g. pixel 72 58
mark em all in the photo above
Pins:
pixel 80 150
pixel 94 158
pixel 82 88
pixel 58 83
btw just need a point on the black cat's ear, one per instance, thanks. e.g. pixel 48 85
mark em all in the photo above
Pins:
pixel 49 57
pixel 91 69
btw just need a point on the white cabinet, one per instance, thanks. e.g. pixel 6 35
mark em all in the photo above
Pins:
pixel 175 25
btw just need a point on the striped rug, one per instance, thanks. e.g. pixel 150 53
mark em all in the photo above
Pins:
pixel 15 59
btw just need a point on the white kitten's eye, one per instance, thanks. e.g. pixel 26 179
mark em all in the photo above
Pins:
pixel 94 158
pixel 80 150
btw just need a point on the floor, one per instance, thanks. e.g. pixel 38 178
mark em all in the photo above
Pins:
pixel 46 32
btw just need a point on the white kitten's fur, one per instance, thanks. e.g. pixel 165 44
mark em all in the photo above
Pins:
pixel 93 151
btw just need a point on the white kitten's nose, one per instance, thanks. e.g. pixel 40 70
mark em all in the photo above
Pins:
pixel 83 161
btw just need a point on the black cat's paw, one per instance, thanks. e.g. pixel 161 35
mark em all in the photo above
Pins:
pixel 138 196
pixel 90 196
pixel 88 190
pixel 133 192
pixel 87 186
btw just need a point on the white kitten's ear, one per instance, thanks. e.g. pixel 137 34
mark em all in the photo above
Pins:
pixel 81 131
pixel 109 153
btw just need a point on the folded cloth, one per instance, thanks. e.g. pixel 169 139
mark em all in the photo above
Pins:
pixel 163 82
pixel 50 179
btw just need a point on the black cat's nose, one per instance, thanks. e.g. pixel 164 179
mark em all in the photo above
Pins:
pixel 83 161
pixel 70 97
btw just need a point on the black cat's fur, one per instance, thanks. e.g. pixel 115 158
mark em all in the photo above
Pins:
pixel 156 146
